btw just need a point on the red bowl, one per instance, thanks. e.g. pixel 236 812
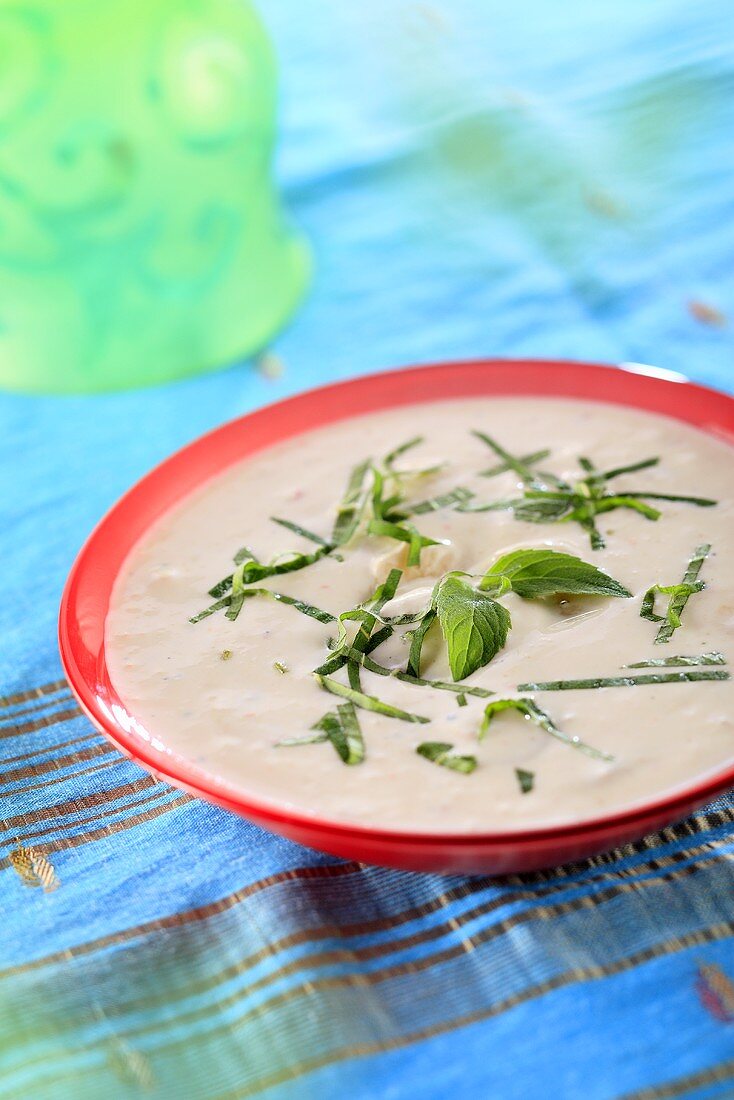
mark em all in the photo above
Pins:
pixel 87 594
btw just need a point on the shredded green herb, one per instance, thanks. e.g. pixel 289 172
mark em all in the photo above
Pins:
pixel 459 495
pixel 439 752
pixel 367 702
pixel 302 531
pixel 679 596
pixel 300 605
pixel 549 499
pixel 525 460
pixel 340 727
pixel 530 710
pixel 280 666
pixel 625 681
pixel 526 780
pixel 355 656
pixel 713 658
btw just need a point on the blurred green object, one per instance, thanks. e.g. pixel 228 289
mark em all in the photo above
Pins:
pixel 140 236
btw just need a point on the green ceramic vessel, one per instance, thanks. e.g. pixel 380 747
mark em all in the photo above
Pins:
pixel 140 236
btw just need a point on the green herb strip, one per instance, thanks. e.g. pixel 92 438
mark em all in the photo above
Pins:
pixel 525 460
pixel 459 495
pixel 302 531
pixel 526 780
pixel 300 605
pixel 679 596
pixel 416 643
pixel 625 681
pixel 713 658
pixel 518 465
pixel 252 570
pixel 363 659
pixel 367 702
pixel 404 533
pixel 341 728
pixel 350 509
pixel 439 752
pixel 530 710
pixel 582 502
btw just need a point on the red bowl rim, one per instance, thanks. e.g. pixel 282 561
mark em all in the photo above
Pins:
pixel 636 385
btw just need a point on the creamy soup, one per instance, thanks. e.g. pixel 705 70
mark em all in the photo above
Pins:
pixel 238 695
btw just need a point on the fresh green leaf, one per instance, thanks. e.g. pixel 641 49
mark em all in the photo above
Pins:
pixel 367 702
pixel 537 573
pixel 439 752
pixel 668 662
pixel 474 626
pixel 530 710
pixel 526 780
pixel 626 681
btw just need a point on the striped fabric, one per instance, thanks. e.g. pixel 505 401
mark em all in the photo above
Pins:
pixel 477 178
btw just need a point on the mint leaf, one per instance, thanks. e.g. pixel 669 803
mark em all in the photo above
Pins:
pixel 533 574
pixel 474 626
pixel 439 752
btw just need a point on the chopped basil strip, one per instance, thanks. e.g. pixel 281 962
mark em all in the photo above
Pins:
pixel 251 570
pixel 526 460
pixel 355 656
pixel 526 780
pixel 439 752
pixel 625 681
pixel 418 636
pixel 341 728
pixel 585 500
pixel 530 710
pixel 679 596
pixel 302 531
pixel 404 533
pixel 459 495
pixel 367 702
pixel 667 662
pixel 300 605
pixel 280 666
pixel 462 699
pixel 351 507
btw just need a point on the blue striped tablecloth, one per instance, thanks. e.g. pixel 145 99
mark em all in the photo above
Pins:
pixel 476 179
